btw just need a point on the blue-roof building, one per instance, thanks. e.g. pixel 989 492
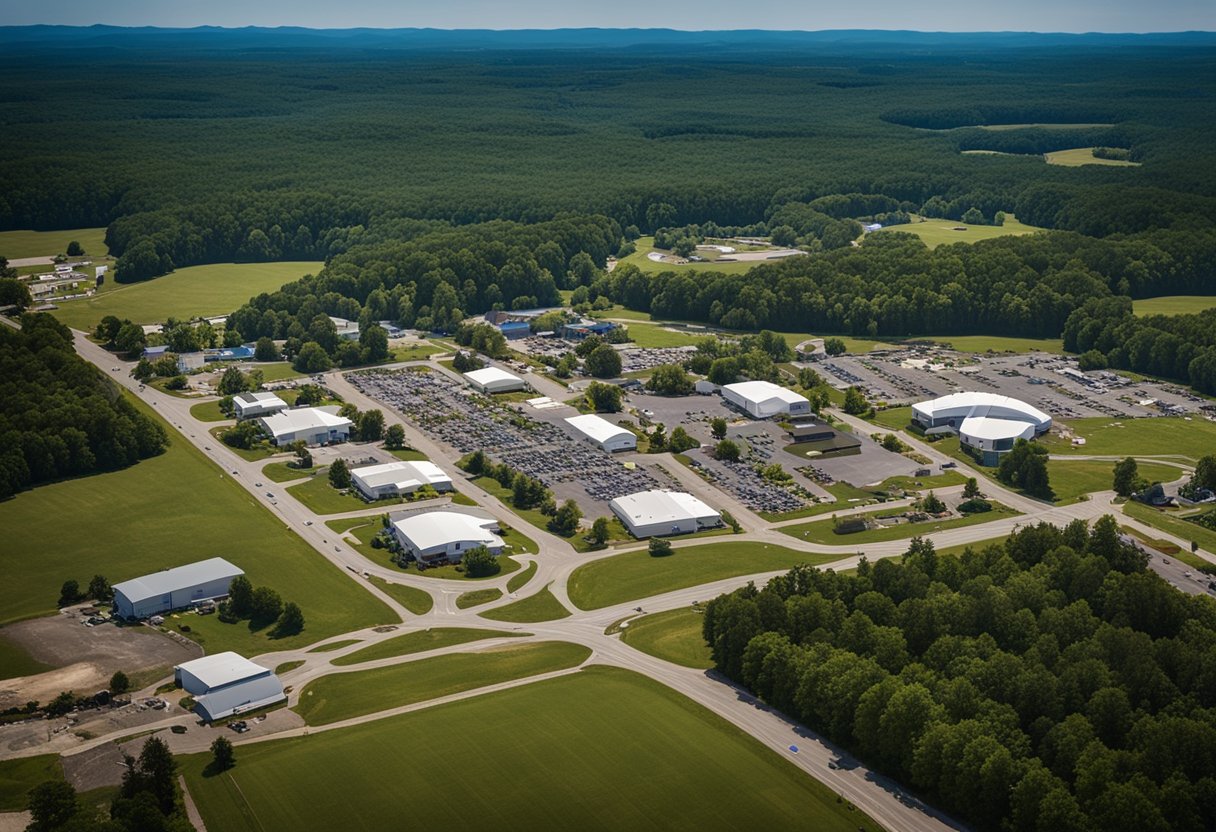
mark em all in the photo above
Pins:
pixel 231 354
pixel 513 330
pixel 582 329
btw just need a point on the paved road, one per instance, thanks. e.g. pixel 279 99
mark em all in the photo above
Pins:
pixel 556 561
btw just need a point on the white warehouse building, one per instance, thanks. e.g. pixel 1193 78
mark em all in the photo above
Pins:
pixel 987 424
pixel 604 434
pixel 658 513
pixel 435 536
pixel 393 479
pixel 174 589
pixel 313 425
pixel 491 380
pixel 226 684
pixel 763 399
pixel 252 405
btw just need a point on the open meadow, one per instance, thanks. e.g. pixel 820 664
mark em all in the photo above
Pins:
pixel 674 635
pixel 1173 305
pixel 1166 436
pixel 578 767
pixel 935 233
pixel 16 245
pixel 1078 156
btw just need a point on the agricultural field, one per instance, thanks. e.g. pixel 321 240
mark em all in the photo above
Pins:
pixel 935 233
pixel 341 696
pixel 190 292
pixel 18 245
pixel 1078 156
pixel 41 554
pixel 1173 305
pixel 632 575
pixel 674 635
pixel 700 771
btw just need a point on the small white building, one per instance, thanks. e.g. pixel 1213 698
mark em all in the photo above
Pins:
pixel 227 684
pixel 347 330
pixel 493 380
pixel 392 479
pixel 253 405
pixel 604 434
pixel 313 425
pixel 763 399
pixel 658 513
pixel 174 589
pixel 433 536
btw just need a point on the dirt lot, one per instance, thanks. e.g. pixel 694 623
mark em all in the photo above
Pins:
pixel 85 657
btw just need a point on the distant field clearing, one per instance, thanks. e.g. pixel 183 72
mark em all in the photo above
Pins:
pixel 1173 305
pixel 1084 156
pixel 938 232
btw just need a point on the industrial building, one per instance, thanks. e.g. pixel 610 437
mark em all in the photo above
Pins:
pixel 393 479
pixel 253 405
pixel 658 513
pixel 823 438
pixel 763 399
pixel 312 425
pixel 174 589
pixel 227 684
pixel 604 434
pixel 987 424
pixel 344 329
pixel 491 380
pixel 189 361
pixel 437 536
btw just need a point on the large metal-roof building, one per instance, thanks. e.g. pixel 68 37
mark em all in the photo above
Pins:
pixel 174 589
pixel 227 684
pixel 392 479
pixel 987 424
pixel 657 513
pixel 605 434
pixel 494 380
pixel 763 399
pixel 252 405
pixel 432 536
pixel 313 425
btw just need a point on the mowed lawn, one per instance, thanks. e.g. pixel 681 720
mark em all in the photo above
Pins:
pixel 620 578
pixel 943 232
pixel 1170 436
pixel 824 531
pixel 186 293
pixel 17 245
pixel 541 606
pixel 419 641
pixel 603 749
pixel 674 635
pixel 1072 478
pixel 166 511
pixel 341 696
pixel 1173 305
pixel 18 776
pixel 645 245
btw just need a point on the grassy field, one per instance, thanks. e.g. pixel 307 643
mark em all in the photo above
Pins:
pixel 1078 156
pixel 419 641
pixel 1071 479
pixel 824 531
pixel 1168 436
pixel 321 497
pixel 180 508
pixel 287 667
pixel 700 772
pixel 186 293
pixel 541 606
pixel 209 412
pixel 334 645
pixel 477 597
pixel 942 232
pixel 645 245
pixel 20 775
pixel 345 695
pixel 412 598
pixel 674 636
pixel 14 661
pixel 16 245
pixel 620 578
pixel 522 578
pixel 655 336
pixel 1167 522
pixel 1173 305
pixel 283 472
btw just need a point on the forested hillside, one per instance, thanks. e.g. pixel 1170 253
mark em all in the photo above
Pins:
pixel 1048 682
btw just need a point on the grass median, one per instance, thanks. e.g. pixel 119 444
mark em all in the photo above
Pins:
pixel 419 641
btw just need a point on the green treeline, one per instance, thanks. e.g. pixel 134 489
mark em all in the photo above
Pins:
pixel 59 417
pixel 1048 682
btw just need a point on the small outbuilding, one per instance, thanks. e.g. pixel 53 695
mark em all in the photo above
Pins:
pixel 492 380
pixel 763 399
pixel 227 684
pixel 604 434
pixel 437 536
pixel 658 513
pixel 393 479
pixel 174 589
pixel 312 425
pixel 252 405
pixel 823 438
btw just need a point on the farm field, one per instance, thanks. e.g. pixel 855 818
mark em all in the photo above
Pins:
pixel 41 555
pixel 540 606
pixel 1173 305
pixel 701 772
pixel 823 531
pixel 1170 436
pixel 674 635
pixel 419 641
pixel 344 695
pixel 18 245
pixel 1078 156
pixel 186 293
pixel 941 232
pixel 620 578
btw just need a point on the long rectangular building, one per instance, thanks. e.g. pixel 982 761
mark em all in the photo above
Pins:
pixel 312 425
pixel 226 684
pixel 392 479
pixel 659 513
pixel 763 399
pixel 174 589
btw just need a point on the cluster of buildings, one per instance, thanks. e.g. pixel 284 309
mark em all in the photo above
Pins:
pixel 517 323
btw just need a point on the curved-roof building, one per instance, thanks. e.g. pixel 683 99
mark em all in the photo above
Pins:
pixel 986 423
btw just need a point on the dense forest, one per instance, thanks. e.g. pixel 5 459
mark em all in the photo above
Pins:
pixel 59 417
pixel 1050 682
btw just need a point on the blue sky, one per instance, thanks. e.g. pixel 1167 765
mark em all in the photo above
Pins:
pixel 927 15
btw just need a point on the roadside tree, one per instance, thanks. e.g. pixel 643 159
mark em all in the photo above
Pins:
pixel 339 474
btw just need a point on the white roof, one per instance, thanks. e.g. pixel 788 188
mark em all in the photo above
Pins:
pixel 267 399
pixel 488 375
pixel 596 428
pixel 304 418
pixel 169 580
pixel 647 507
pixel 429 529
pixel 763 391
pixel 981 427
pixel 404 474
pixel 977 404
pixel 222 669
